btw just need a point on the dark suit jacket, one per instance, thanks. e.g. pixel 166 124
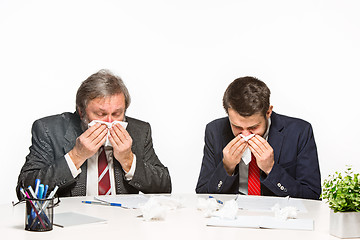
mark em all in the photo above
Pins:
pixel 296 169
pixel 54 136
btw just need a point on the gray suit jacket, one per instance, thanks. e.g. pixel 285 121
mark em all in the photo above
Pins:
pixel 54 136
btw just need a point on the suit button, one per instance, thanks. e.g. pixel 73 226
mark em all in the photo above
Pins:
pixel 282 187
pixel 279 184
pixel 220 184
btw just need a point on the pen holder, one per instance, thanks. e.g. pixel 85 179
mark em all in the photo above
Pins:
pixel 39 214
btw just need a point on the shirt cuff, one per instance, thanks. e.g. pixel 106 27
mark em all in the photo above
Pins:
pixel 129 175
pixel 72 166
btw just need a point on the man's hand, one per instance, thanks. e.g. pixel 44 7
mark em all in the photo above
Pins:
pixel 263 153
pixel 233 153
pixel 121 142
pixel 88 143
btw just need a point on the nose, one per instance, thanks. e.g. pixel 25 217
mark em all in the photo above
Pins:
pixel 246 133
pixel 109 119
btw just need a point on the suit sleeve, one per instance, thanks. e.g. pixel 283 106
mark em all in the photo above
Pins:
pixel 213 177
pixel 150 176
pixel 41 163
pixel 299 177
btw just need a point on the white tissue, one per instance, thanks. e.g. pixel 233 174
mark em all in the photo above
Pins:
pixel 109 125
pixel 284 213
pixel 212 208
pixel 157 207
pixel 246 157
pixel 208 206
pixel 228 211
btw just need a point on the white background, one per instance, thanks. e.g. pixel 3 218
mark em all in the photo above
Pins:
pixel 177 58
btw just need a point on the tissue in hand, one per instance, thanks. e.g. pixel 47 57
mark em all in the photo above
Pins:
pixel 247 154
pixel 109 125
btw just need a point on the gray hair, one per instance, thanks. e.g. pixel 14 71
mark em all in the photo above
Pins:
pixel 101 84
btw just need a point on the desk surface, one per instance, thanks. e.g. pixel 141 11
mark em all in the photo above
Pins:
pixel 187 222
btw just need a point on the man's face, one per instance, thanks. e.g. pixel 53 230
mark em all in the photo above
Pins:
pixel 254 124
pixel 107 109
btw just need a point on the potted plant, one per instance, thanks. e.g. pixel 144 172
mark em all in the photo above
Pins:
pixel 342 192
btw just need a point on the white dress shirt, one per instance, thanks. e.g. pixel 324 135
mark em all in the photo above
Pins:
pixel 92 171
pixel 244 169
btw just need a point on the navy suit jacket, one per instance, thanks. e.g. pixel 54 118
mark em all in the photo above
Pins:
pixel 295 172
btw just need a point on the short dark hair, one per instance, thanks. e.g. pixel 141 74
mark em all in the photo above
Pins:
pixel 247 96
pixel 101 84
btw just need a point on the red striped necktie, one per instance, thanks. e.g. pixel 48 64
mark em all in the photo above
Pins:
pixel 254 177
pixel 103 173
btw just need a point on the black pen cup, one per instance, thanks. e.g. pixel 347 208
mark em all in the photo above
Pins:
pixel 39 214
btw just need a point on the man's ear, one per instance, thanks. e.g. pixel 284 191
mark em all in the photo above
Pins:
pixel 269 112
pixel 79 112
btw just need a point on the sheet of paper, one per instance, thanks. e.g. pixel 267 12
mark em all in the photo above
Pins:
pixel 263 203
pixel 263 222
pixel 67 219
pixel 126 201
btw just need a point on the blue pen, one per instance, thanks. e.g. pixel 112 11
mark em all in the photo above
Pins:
pixel 45 190
pixel 216 200
pixel 102 203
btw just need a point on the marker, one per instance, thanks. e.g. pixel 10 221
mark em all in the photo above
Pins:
pixel 102 203
pixel 31 192
pixel 23 192
pixel 37 183
pixel 40 193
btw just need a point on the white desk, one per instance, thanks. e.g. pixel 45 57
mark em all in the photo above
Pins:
pixel 183 223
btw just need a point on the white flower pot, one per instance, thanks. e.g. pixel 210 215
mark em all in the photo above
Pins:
pixel 345 224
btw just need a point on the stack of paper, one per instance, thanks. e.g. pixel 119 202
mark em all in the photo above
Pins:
pixel 263 222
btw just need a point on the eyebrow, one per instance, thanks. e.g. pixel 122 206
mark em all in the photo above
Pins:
pixel 253 126
pixel 116 110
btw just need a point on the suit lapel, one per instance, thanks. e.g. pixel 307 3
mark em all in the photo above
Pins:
pixel 276 136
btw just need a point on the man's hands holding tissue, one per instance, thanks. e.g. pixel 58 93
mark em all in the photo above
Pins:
pixel 263 153
pixel 121 142
pixel 88 143
pixel 261 149
pixel 233 153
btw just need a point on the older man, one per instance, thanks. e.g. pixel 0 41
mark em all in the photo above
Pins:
pixel 68 149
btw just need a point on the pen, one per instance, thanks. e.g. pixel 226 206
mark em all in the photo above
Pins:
pixel 216 200
pixel 102 203
pixel 51 195
pixel 45 190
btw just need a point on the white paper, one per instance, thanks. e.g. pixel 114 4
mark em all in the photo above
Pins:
pixel 126 201
pixel 109 125
pixel 246 157
pixel 263 222
pixel 67 219
pixel 264 203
